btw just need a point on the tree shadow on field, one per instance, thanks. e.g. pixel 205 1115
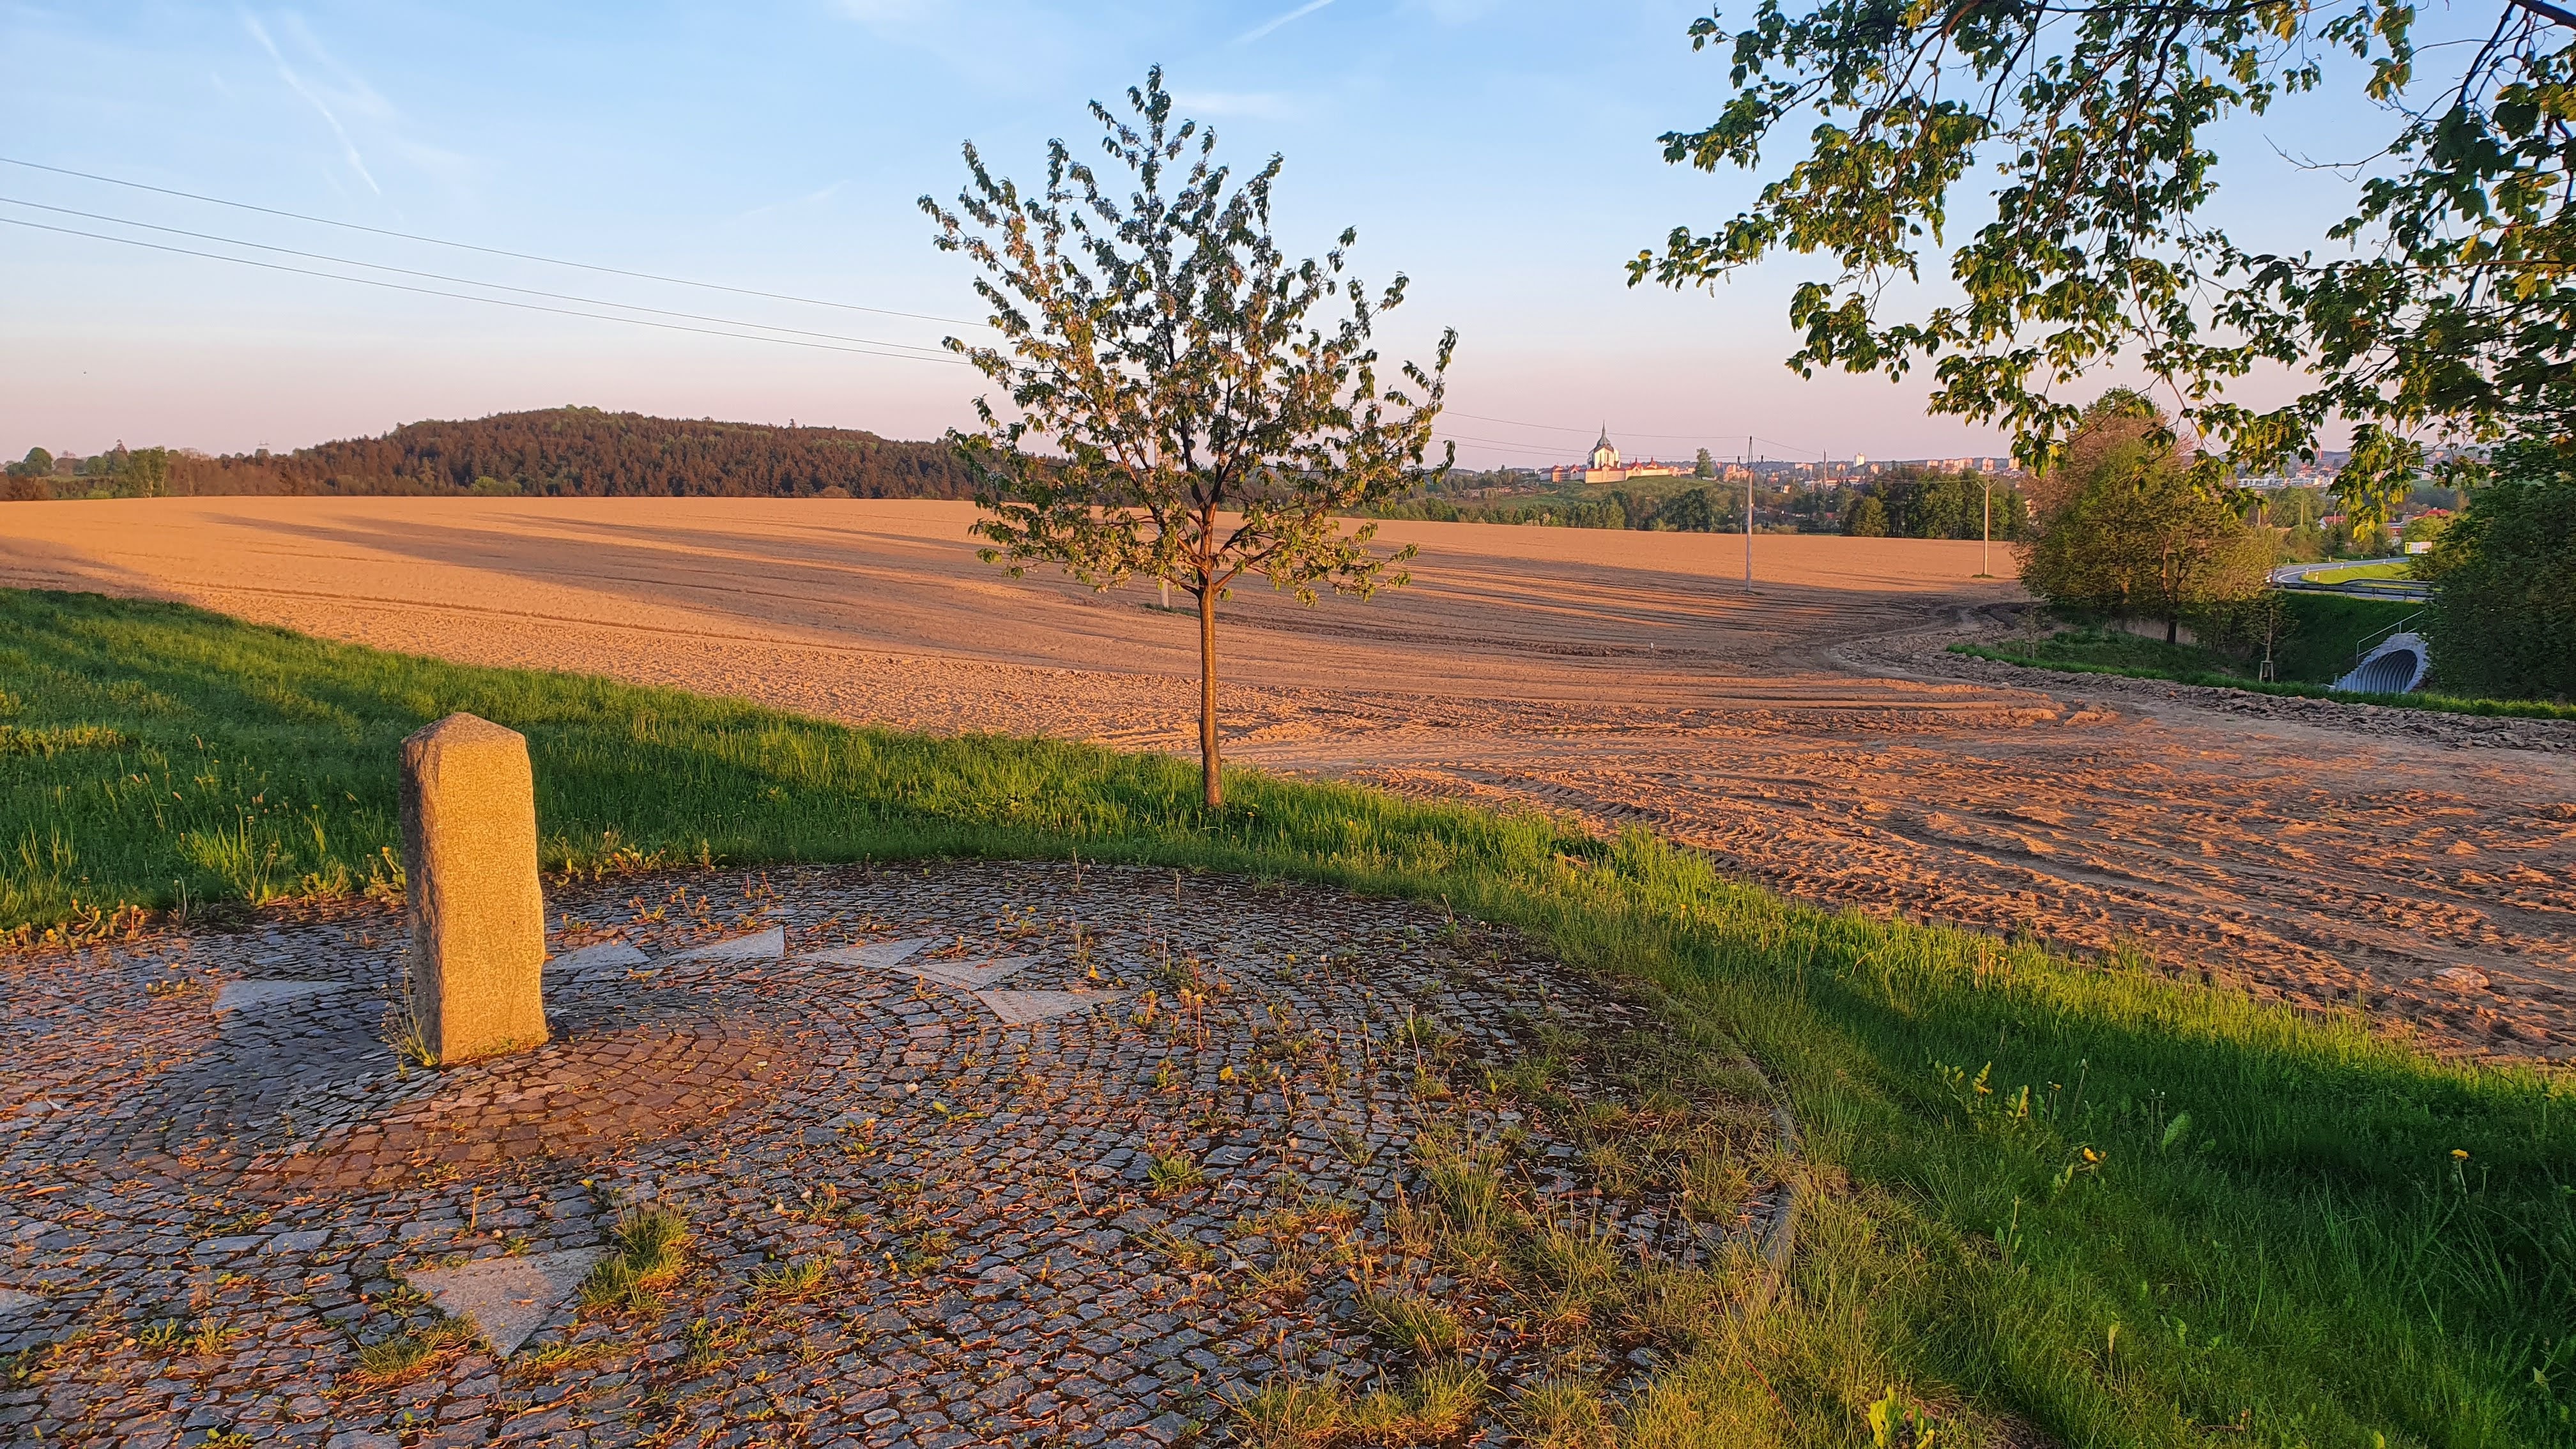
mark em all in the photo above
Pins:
pixel 894 589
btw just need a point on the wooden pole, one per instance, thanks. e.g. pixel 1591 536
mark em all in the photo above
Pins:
pixel 1750 474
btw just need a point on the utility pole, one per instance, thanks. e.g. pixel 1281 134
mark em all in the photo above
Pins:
pixel 1986 570
pixel 1750 474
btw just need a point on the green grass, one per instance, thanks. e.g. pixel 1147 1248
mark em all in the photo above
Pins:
pixel 2324 632
pixel 2317 650
pixel 2327 628
pixel 2361 571
pixel 2108 648
pixel 2123 1208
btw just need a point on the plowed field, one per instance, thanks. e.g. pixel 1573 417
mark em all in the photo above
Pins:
pixel 1809 734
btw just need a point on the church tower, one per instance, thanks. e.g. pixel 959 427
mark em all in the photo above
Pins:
pixel 1604 457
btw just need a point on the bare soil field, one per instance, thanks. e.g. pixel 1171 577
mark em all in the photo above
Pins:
pixel 1809 734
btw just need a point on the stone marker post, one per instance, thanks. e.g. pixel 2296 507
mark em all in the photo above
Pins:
pixel 478 920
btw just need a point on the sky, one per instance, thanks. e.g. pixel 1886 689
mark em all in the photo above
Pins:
pixel 1503 156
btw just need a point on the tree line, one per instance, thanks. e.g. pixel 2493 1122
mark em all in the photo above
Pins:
pixel 1924 503
pixel 1908 502
pixel 571 452
pixel 2128 526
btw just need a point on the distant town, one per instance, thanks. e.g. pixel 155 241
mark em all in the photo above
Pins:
pixel 1605 465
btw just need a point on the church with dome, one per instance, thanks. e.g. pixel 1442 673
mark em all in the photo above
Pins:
pixel 1603 465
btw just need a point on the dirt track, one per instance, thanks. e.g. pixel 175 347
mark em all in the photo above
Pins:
pixel 1621 676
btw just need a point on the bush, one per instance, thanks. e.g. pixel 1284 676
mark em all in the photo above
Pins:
pixel 2503 620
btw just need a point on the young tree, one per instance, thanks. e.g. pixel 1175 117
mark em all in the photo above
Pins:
pixel 2127 527
pixel 2443 302
pixel 1175 416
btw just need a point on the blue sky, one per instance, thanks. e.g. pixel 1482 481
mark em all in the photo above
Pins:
pixel 1503 155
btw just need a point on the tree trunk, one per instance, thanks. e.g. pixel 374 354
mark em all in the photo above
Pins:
pixel 1213 789
pixel 2173 628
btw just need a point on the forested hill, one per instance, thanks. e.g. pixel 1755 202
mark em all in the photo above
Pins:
pixel 585 453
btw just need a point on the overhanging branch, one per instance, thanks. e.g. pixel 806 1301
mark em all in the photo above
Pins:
pixel 2551 13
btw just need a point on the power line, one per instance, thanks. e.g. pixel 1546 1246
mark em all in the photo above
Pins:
pixel 465 281
pixel 470 297
pixel 1661 437
pixel 488 251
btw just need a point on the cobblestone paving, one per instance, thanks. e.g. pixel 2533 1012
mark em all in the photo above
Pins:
pixel 911 1220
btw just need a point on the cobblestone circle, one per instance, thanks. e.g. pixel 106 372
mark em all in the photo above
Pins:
pixel 967 1153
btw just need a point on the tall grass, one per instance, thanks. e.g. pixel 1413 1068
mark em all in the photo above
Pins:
pixel 2121 1208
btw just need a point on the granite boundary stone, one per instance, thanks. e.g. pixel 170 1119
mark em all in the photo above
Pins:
pixel 477 914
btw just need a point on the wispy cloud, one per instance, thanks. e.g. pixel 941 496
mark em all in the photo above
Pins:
pixel 296 83
pixel 354 90
pixel 1274 22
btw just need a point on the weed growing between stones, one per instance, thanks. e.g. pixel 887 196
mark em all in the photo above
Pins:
pixel 1174 1173
pixel 407 1356
pixel 542 1362
pixel 650 1252
pixel 788 1282
pixel 1496 1265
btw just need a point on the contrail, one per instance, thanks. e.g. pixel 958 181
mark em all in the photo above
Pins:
pixel 1258 31
pixel 297 82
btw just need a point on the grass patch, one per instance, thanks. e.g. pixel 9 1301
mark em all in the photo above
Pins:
pixel 2436 703
pixel 1412 1323
pixel 2325 632
pixel 1434 1406
pixel 2126 1209
pixel 2351 572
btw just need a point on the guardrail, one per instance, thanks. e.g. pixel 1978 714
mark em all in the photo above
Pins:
pixel 2374 638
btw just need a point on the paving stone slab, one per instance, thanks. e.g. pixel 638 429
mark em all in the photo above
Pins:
pixel 1026 1008
pixel 882 955
pixel 769 945
pixel 966 973
pixel 607 956
pixel 509 1299
pixel 253 995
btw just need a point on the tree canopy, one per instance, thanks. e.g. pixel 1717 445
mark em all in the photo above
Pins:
pixel 2503 620
pixel 1913 502
pixel 2441 306
pixel 2127 527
